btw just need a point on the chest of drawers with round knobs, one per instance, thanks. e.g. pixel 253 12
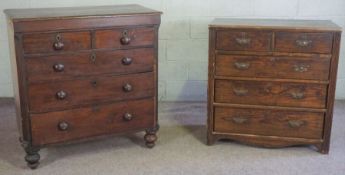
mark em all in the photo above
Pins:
pixel 83 72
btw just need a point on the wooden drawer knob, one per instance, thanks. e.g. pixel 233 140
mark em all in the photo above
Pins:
pixel 58 44
pixel 127 116
pixel 63 126
pixel 59 67
pixel 126 61
pixel 127 87
pixel 61 95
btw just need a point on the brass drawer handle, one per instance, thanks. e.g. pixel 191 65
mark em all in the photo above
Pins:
pixel 297 95
pixel 303 43
pixel 240 91
pixel 58 44
pixel 126 61
pixel 58 67
pixel 125 39
pixel 242 65
pixel 301 67
pixel 63 126
pixel 61 95
pixel 243 40
pixel 239 120
pixel 127 116
pixel 296 123
pixel 127 87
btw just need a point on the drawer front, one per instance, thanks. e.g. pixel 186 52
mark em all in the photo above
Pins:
pixel 56 42
pixel 269 122
pixel 64 94
pixel 244 40
pixel 59 126
pixel 304 42
pixel 85 64
pixel 312 68
pixel 122 38
pixel 271 93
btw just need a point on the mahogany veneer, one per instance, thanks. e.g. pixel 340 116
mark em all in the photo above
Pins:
pixel 272 82
pixel 83 72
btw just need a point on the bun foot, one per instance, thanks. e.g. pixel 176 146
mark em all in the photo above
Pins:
pixel 32 158
pixel 151 137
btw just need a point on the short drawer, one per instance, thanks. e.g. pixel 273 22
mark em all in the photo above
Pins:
pixel 310 68
pixel 304 42
pixel 243 40
pixel 56 42
pixel 271 93
pixel 66 94
pixel 269 122
pixel 123 37
pixel 86 64
pixel 60 126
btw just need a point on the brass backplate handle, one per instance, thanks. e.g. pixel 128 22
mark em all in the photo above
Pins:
pixel 296 123
pixel 241 65
pixel 239 120
pixel 297 95
pixel 303 42
pixel 301 67
pixel 240 91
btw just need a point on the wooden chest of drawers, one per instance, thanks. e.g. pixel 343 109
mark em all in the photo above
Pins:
pixel 272 82
pixel 83 72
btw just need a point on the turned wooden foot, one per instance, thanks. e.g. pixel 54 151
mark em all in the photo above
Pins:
pixel 151 137
pixel 32 158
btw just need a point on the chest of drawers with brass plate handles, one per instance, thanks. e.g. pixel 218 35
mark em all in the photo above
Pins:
pixel 272 82
pixel 83 72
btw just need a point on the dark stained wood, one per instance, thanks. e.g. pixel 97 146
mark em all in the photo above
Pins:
pixel 56 49
pixel 270 93
pixel 269 122
pixel 112 38
pixel 44 43
pixel 254 93
pixel 243 40
pixel 303 42
pixel 309 68
pixel 91 121
pixel 81 64
pixel 43 96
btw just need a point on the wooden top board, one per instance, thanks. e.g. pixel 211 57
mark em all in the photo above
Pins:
pixel 33 14
pixel 324 25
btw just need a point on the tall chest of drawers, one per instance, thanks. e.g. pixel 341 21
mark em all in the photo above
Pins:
pixel 83 72
pixel 272 82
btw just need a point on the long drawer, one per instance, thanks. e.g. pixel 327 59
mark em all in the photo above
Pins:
pixel 314 67
pixel 271 93
pixel 59 67
pixel 64 94
pixel 59 126
pixel 269 122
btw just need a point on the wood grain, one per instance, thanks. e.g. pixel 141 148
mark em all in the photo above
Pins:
pixel 80 64
pixel 95 120
pixel 43 42
pixel 314 67
pixel 269 122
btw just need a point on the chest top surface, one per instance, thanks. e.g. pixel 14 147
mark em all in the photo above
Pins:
pixel 34 14
pixel 321 25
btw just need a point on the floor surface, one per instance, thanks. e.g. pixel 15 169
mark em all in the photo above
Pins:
pixel 181 150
